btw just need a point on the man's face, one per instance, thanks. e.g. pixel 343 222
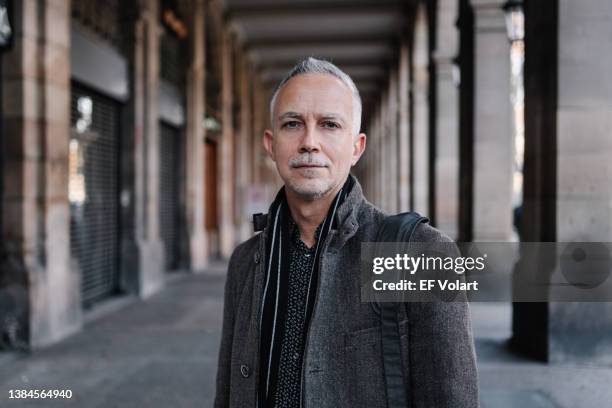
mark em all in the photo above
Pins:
pixel 312 142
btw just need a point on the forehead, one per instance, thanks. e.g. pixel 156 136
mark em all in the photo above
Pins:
pixel 315 93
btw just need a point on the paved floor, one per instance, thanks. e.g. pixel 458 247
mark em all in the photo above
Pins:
pixel 162 353
pixel 510 381
pixel 155 353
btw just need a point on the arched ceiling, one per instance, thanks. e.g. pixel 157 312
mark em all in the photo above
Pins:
pixel 360 36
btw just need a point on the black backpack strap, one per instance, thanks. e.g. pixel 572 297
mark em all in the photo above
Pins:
pixel 395 228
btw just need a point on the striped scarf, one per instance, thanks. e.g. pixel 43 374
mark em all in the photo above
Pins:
pixel 274 300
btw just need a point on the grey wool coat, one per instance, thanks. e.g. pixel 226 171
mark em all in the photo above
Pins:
pixel 343 364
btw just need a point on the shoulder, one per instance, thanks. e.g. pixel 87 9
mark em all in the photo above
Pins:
pixel 426 233
pixel 369 218
pixel 437 240
pixel 245 252
pixel 373 217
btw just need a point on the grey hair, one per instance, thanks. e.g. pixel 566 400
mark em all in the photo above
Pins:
pixel 317 66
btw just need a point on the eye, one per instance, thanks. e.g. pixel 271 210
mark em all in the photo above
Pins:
pixel 292 124
pixel 331 125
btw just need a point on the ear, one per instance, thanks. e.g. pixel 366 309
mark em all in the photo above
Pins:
pixel 359 145
pixel 268 143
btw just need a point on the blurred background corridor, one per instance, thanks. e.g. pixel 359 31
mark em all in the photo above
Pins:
pixel 131 164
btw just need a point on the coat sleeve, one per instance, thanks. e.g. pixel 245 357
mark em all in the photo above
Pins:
pixel 442 360
pixel 227 336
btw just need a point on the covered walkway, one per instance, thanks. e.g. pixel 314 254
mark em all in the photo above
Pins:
pixel 131 151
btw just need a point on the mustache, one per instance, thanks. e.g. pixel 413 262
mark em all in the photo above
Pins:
pixel 308 159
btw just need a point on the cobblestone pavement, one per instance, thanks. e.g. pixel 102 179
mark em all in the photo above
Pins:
pixel 162 353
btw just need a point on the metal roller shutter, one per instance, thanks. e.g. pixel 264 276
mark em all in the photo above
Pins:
pixel 93 193
pixel 169 162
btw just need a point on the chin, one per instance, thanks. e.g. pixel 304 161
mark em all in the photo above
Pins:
pixel 310 189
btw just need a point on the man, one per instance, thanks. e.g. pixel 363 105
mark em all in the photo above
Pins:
pixel 295 332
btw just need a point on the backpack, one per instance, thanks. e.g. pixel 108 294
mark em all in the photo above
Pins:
pixel 395 228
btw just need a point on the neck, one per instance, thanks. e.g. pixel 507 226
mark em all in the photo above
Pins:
pixel 308 215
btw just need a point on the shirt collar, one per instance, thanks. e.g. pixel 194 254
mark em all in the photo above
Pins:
pixel 294 233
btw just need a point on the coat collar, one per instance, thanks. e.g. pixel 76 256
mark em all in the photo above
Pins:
pixel 346 215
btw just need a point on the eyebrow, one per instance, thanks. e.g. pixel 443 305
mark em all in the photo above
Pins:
pixel 289 115
pixel 335 116
pixel 323 116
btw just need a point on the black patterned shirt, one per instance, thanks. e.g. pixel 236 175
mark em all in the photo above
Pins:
pixel 289 380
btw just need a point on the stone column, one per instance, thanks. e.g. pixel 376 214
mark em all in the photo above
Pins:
pixel 538 215
pixel 259 121
pixel 226 159
pixel 420 92
pixel 141 247
pixel 365 160
pixel 383 130
pixel 151 273
pixel 384 149
pixel 493 139
pixel 369 160
pixel 380 153
pixel 580 332
pixel 447 121
pixel 420 100
pixel 39 287
pixel 392 142
pixel 195 138
pixel 244 146
pixel 374 165
pixel 404 128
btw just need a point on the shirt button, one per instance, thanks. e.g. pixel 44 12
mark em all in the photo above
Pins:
pixel 245 371
pixel 296 356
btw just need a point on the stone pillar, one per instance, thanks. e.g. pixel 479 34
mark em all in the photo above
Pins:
pixel 141 248
pixel 243 146
pixel 447 121
pixel 404 128
pixel 371 159
pixel 392 142
pixel 380 152
pixel 580 332
pixel 538 215
pixel 376 165
pixel 380 128
pixel 365 160
pixel 380 143
pixel 226 159
pixel 386 149
pixel 39 287
pixel 195 138
pixel 465 24
pixel 259 121
pixel 369 163
pixel 151 247
pixel 493 139
pixel 420 92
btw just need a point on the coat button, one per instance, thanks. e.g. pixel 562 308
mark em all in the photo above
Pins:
pixel 257 257
pixel 245 371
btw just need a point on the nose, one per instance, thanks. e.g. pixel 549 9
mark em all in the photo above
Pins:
pixel 309 141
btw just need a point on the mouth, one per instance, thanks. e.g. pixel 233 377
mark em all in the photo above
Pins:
pixel 309 166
